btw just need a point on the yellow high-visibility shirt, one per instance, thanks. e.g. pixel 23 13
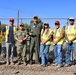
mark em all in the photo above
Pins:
pixel 7 32
pixel 57 34
pixel 71 33
pixel 45 36
pixel 0 37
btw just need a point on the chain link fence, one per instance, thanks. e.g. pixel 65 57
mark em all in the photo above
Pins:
pixel 63 21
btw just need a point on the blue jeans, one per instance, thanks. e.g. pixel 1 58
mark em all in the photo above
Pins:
pixel 9 52
pixel 74 46
pixel 44 55
pixel 58 54
pixel 70 48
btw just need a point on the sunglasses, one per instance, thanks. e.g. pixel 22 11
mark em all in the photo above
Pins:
pixel 21 26
pixel 11 21
pixel 71 20
pixel 57 24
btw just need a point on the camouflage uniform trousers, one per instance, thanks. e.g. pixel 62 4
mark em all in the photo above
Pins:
pixel 21 53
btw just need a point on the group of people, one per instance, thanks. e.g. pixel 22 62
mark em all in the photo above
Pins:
pixel 41 37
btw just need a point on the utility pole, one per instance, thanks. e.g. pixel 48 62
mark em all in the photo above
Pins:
pixel 67 21
pixel 0 25
pixel 18 18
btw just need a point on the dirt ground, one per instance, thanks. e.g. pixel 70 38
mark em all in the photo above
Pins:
pixel 35 69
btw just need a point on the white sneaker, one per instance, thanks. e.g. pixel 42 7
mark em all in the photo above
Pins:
pixel 58 66
pixel 55 64
pixel 67 65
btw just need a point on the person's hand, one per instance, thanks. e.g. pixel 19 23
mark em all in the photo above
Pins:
pixel 20 41
pixel 70 42
pixel 30 33
pixel 43 42
pixel 54 42
pixel 0 37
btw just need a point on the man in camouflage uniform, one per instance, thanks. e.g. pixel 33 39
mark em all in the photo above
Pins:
pixel 21 37
pixel 35 30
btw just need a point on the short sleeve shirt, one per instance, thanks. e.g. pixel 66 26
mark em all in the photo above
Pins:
pixel 11 34
pixel 21 35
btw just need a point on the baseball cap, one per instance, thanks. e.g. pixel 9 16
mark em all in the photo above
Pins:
pixel 11 20
pixel 57 22
pixel 46 23
pixel 71 18
pixel 35 17
pixel 21 24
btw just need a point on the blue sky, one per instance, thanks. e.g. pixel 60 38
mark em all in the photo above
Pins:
pixel 42 8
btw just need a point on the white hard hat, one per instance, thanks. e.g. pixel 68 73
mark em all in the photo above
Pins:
pixel 71 18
